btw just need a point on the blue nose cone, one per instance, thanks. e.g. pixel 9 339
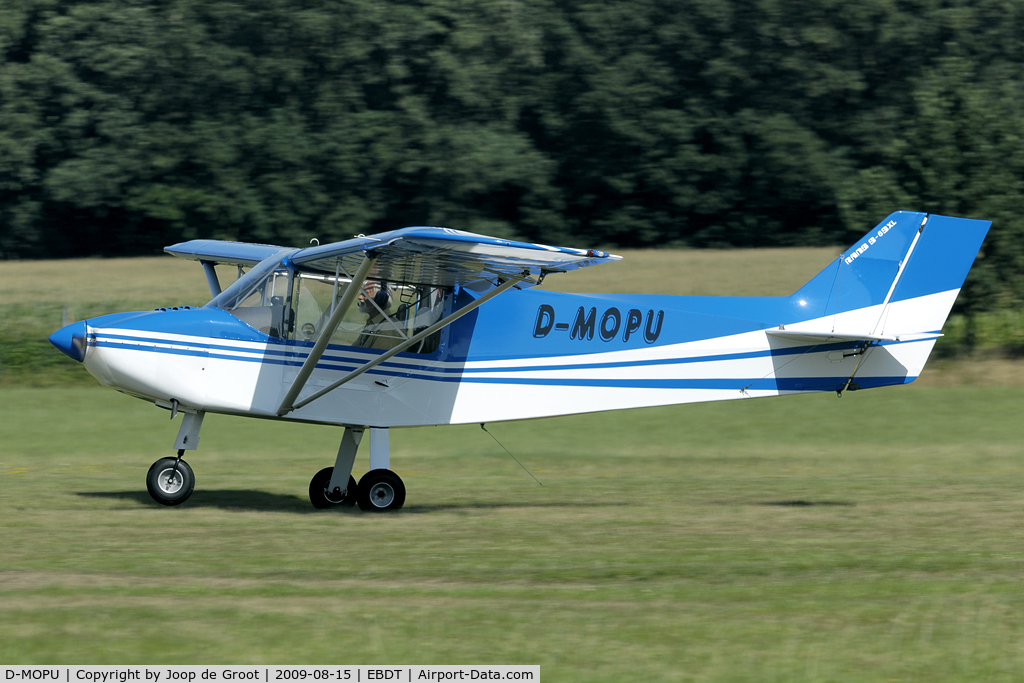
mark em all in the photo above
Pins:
pixel 71 340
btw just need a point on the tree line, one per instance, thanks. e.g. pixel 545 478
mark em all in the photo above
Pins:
pixel 127 125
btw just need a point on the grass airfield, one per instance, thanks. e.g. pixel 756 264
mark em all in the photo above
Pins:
pixel 875 537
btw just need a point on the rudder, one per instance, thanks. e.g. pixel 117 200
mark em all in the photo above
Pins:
pixel 901 277
pixel 934 273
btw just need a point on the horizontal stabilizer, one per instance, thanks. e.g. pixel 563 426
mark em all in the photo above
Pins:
pixel 830 337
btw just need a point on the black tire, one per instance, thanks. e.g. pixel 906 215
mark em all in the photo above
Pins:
pixel 381 490
pixel 319 496
pixel 167 486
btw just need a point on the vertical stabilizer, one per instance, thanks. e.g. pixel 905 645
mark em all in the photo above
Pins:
pixel 902 277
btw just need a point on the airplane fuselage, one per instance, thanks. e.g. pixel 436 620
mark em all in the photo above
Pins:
pixel 527 354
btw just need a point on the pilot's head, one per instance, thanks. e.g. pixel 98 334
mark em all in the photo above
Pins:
pixel 376 292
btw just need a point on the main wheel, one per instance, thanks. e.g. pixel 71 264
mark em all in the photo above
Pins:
pixel 320 497
pixel 381 490
pixel 169 485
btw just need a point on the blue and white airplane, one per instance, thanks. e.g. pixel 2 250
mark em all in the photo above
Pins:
pixel 430 326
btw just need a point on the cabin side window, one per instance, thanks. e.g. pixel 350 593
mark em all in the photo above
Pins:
pixel 384 314
pixel 290 304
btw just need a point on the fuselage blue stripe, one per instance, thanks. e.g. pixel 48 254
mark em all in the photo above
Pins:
pixel 332 360
pixel 808 383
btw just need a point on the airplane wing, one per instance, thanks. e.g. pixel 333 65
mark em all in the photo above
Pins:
pixel 429 256
pixel 444 257
pixel 222 251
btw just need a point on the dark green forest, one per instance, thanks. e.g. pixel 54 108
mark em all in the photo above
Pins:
pixel 127 125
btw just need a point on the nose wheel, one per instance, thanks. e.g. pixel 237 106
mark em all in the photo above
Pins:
pixel 170 481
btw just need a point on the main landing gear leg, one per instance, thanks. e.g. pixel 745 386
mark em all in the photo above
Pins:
pixel 380 489
pixel 335 485
pixel 170 480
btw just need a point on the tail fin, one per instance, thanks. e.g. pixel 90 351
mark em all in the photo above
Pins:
pixel 887 297
pixel 900 279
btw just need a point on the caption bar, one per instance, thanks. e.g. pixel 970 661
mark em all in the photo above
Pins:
pixel 267 674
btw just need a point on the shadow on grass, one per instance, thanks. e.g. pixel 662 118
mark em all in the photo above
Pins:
pixel 797 503
pixel 261 501
pixel 449 507
pixel 226 499
pixel 808 503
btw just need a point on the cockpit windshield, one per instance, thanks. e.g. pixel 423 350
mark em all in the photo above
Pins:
pixel 249 283
pixel 292 304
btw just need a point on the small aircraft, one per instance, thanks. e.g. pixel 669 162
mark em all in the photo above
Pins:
pixel 431 326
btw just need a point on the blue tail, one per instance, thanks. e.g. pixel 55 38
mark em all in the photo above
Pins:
pixel 906 257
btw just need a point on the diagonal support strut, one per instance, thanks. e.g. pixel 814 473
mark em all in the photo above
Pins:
pixel 512 281
pixel 358 278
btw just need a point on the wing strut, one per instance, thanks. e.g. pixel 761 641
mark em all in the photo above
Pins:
pixel 211 277
pixel 444 322
pixel 325 334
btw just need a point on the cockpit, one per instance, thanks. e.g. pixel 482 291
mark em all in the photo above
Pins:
pixel 289 303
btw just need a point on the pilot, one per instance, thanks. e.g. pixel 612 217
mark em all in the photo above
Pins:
pixel 379 333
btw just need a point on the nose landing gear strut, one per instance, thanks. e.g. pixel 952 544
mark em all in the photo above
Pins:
pixel 170 481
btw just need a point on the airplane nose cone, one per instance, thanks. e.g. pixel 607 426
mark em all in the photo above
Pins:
pixel 71 340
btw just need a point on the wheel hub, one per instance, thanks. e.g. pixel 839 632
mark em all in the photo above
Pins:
pixel 331 497
pixel 382 494
pixel 170 481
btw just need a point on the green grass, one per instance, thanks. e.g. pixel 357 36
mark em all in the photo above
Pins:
pixel 875 537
